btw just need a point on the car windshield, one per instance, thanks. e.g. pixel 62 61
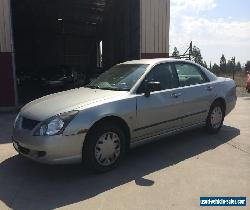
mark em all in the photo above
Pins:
pixel 120 77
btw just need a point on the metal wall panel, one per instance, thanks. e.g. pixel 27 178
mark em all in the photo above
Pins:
pixel 8 96
pixel 155 19
pixel 5 27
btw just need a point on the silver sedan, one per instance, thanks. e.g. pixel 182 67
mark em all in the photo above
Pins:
pixel 132 103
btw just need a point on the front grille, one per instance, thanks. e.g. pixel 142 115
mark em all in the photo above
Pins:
pixel 26 151
pixel 28 124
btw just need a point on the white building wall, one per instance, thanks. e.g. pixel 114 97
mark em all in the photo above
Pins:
pixel 155 20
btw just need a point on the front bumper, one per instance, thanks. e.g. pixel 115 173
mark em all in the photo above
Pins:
pixel 58 149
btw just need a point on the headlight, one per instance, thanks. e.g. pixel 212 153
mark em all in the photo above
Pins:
pixel 55 125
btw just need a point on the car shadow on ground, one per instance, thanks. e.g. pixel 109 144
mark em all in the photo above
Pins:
pixel 29 185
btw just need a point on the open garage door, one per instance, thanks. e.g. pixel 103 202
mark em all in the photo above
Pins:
pixel 57 43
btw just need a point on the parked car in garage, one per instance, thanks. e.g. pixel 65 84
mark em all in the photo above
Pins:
pixel 52 77
pixel 61 76
pixel 132 103
pixel 28 78
pixel 248 82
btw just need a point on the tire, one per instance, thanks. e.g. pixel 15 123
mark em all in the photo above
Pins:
pixel 215 118
pixel 105 140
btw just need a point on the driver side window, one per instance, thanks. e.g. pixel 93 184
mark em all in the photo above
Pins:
pixel 164 74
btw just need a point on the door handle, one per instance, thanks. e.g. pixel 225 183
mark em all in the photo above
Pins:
pixel 176 95
pixel 209 88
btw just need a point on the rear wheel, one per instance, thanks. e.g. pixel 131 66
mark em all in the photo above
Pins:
pixel 215 118
pixel 104 148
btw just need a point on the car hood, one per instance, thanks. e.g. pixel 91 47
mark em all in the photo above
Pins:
pixel 76 99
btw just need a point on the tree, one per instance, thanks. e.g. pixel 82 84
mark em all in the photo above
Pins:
pixel 233 64
pixel 223 64
pixel 238 67
pixel 176 53
pixel 196 53
pixel 247 66
pixel 229 66
pixel 216 68
pixel 204 64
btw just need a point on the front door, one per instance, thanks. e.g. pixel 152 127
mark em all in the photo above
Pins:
pixel 160 111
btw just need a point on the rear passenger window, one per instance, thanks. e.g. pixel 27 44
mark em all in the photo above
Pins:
pixel 189 75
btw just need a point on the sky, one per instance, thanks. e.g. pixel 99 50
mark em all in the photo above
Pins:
pixel 215 26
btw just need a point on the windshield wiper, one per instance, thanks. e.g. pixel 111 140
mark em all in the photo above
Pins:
pixel 105 88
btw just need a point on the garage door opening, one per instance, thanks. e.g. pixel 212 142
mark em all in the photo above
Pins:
pixel 61 44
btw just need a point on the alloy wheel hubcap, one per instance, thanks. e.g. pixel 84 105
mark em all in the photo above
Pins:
pixel 216 117
pixel 107 149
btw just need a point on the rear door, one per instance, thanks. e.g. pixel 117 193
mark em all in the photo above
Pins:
pixel 198 93
pixel 161 111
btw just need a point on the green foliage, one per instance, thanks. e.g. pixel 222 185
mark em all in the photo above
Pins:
pixel 223 64
pixel 225 67
pixel 205 64
pixel 216 69
pixel 238 67
pixel 247 66
pixel 230 66
pixel 176 53
pixel 196 53
pixel 197 57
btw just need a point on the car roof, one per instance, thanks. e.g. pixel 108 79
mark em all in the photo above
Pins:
pixel 154 61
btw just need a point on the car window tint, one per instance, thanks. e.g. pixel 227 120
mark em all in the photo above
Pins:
pixel 164 74
pixel 189 75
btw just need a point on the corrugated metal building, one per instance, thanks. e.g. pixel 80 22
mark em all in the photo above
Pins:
pixel 154 25
pixel 46 33
pixel 7 73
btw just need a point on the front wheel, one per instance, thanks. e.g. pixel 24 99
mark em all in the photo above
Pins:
pixel 215 118
pixel 104 148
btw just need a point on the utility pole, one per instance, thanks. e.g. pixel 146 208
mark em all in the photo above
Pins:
pixel 233 62
pixel 190 50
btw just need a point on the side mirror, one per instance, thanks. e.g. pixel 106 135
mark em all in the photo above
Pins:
pixel 151 87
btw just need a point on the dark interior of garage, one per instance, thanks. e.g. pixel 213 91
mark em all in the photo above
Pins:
pixel 62 44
